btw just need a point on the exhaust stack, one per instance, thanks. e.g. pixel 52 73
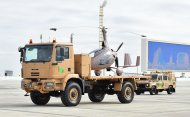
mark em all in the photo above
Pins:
pixel 71 38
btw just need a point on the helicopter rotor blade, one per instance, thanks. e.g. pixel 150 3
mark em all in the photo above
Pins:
pixel 119 46
pixel 116 62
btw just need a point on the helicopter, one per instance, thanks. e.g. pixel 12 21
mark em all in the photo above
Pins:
pixel 104 57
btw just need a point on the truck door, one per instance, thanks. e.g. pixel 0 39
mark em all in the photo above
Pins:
pixel 63 62
pixel 166 82
pixel 160 82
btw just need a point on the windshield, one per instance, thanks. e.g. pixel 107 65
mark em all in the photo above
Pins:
pixel 38 53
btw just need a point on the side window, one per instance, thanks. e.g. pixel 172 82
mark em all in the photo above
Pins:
pixel 66 53
pixel 62 53
pixel 159 77
pixel 154 77
pixel 165 78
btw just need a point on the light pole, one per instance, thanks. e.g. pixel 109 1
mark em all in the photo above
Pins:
pixel 143 36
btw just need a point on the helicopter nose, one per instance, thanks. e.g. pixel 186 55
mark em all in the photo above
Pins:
pixel 115 53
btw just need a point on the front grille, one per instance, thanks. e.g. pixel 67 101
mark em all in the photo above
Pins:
pixel 35 73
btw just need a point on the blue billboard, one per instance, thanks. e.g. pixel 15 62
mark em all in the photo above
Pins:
pixel 168 56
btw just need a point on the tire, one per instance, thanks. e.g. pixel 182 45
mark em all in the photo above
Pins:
pixel 126 94
pixel 142 91
pixel 95 96
pixel 138 92
pixel 153 90
pixel 72 94
pixel 170 90
pixel 39 98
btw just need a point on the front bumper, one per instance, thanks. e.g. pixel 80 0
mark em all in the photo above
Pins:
pixel 44 86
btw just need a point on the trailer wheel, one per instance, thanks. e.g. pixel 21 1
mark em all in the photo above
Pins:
pixel 95 96
pixel 39 98
pixel 153 90
pixel 138 92
pixel 170 90
pixel 72 94
pixel 126 94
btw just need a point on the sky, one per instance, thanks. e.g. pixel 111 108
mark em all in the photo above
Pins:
pixel 20 20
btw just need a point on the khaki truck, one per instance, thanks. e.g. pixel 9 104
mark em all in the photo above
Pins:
pixel 160 81
pixel 53 70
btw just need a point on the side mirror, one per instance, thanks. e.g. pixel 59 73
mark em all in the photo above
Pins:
pixel 21 59
pixel 21 50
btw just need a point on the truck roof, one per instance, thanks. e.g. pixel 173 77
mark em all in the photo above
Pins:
pixel 50 43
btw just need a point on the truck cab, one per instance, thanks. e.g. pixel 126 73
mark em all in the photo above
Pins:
pixel 49 60
pixel 46 69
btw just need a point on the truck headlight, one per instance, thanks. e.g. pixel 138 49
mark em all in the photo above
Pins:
pixel 49 85
pixel 25 85
pixel 147 85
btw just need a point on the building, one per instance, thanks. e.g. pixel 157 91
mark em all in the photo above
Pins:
pixel 8 73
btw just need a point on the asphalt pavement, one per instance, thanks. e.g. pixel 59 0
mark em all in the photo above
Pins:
pixel 13 103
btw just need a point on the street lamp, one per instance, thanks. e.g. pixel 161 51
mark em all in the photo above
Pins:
pixel 137 34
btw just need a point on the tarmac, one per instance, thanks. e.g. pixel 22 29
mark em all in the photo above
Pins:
pixel 13 103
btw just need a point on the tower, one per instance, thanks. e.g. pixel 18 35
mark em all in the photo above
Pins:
pixel 101 18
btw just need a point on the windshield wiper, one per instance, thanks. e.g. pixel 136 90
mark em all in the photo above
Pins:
pixel 38 60
pixel 33 60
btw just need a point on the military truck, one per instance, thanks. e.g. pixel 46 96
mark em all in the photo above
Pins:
pixel 53 70
pixel 160 81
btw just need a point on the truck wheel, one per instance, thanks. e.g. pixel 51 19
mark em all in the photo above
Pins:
pixel 153 90
pixel 126 94
pixel 95 97
pixel 138 91
pixel 170 90
pixel 39 98
pixel 72 94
